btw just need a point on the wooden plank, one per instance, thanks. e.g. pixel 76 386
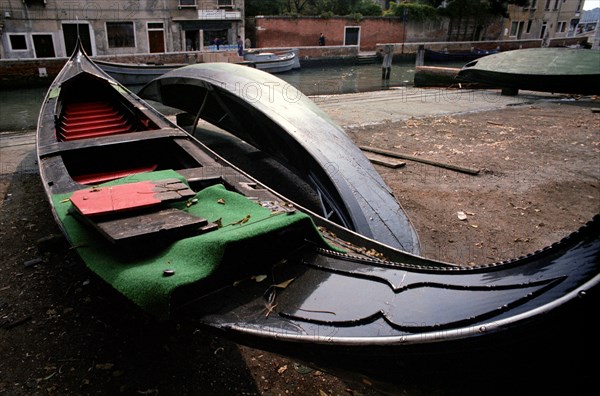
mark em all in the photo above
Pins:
pixel 158 225
pixel 383 161
pixel 114 199
pixel 422 160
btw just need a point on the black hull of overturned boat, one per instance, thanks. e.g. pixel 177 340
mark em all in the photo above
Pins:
pixel 455 56
pixel 368 311
pixel 276 118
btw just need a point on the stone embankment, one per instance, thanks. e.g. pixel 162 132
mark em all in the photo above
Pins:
pixel 17 73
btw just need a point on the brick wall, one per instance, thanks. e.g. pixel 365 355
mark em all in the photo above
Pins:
pixel 300 32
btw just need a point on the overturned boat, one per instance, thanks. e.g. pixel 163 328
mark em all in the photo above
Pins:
pixel 273 116
pixel 555 70
pixel 455 56
pixel 185 234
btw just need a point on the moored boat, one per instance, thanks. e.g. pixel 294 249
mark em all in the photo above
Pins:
pixel 184 234
pixel 273 62
pixel 555 70
pixel 135 74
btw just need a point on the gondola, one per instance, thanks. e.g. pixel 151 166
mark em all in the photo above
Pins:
pixel 187 236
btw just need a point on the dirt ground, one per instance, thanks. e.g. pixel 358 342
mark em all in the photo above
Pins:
pixel 64 332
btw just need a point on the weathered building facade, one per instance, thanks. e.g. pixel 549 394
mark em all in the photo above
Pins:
pixel 543 19
pixel 49 28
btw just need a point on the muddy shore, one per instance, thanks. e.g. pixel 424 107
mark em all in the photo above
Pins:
pixel 63 331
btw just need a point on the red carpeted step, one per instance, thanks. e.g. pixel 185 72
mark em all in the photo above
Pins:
pixel 90 120
pixel 87 135
pixel 86 105
pixel 92 116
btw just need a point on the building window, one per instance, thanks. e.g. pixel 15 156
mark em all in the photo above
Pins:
pixel 547 6
pixel 561 27
pixel 120 34
pixel 579 5
pixel 533 4
pixel 556 4
pixel 225 3
pixel 187 3
pixel 43 45
pixel 529 23
pixel 18 42
pixel 516 27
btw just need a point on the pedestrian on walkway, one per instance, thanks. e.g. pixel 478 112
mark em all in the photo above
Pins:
pixel 321 39
pixel 240 45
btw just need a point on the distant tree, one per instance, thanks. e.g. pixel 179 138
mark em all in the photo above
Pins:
pixel 263 7
pixel 297 5
pixel 312 7
pixel 367 8
pixel 470 18
pixel 412 11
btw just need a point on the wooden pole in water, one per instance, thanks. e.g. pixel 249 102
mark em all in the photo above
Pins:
pixel 386 68
pixel 420 59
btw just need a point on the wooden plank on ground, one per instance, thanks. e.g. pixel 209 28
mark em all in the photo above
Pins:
pixel 384 161
pixel 394 154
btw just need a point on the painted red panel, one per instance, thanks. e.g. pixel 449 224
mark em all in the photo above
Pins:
pixel 104 200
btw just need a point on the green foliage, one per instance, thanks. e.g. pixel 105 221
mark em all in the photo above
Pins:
pixel 348 7
pixel 263 7
pixel 368 8
pixel 357 16
pixel 414 11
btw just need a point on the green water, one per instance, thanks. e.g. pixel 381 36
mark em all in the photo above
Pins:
pixel 19 108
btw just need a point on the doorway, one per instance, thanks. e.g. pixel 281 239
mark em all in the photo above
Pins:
pixel 352 35
pixel 156 37
pixel 70 33
pixel 192 40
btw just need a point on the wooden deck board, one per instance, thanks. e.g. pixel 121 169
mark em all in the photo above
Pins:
pixel 160 225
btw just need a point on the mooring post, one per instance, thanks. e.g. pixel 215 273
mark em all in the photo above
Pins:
pixel 420 59
pixel 386 68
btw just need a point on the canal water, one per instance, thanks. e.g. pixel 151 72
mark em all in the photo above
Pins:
pixel 19 108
